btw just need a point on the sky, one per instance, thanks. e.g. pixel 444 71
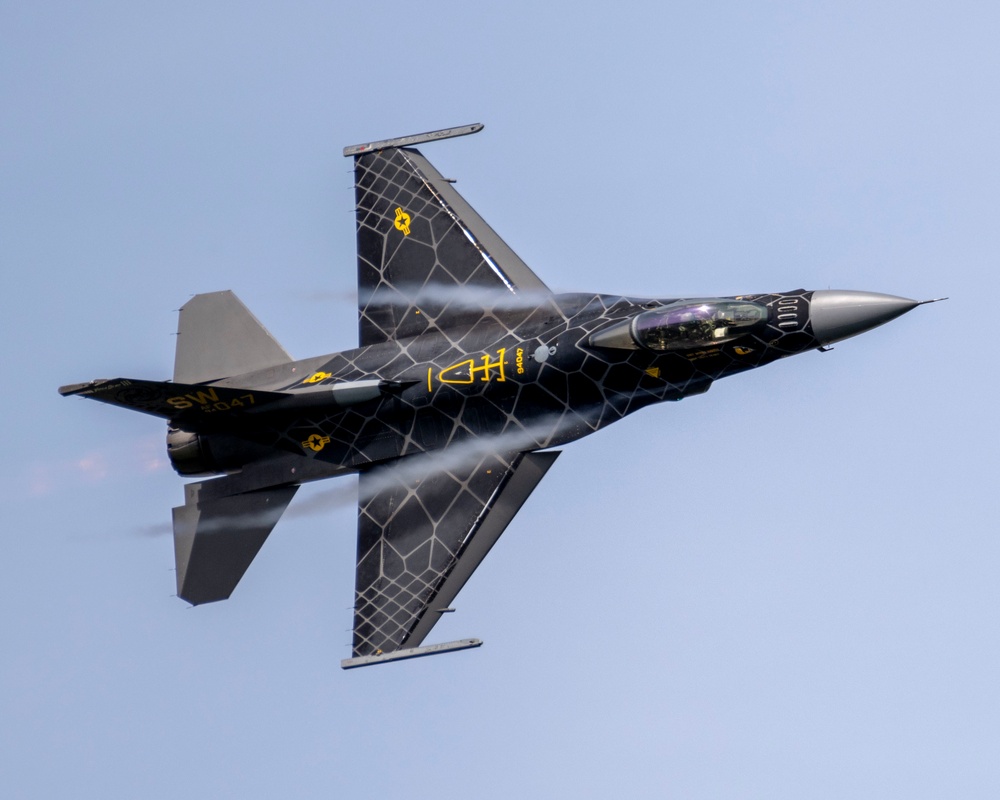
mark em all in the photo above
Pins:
pixel 786 587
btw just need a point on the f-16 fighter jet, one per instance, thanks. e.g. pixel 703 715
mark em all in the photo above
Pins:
pixel 468 371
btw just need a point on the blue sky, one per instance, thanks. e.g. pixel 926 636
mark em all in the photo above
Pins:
pixel 786 587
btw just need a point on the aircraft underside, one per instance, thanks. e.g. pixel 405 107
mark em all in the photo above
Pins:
pixel 468 371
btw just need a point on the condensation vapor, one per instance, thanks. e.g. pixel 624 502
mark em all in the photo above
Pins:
pixel 346 296
pixel 457 298
pixel 405 471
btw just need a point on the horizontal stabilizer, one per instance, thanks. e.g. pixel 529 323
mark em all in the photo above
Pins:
pixel 173 401
pixel 216 539
pixel 189 403
pixel 411 652
pixel 218 337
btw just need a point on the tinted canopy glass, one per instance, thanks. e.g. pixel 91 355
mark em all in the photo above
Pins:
pixel 685 325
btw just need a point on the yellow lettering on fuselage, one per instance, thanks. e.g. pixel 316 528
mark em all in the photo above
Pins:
pixel 466 372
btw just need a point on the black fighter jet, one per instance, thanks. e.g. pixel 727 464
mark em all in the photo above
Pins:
pixel 468 371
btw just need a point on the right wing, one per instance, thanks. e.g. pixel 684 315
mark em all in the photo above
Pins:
pixel 424 525
pixel 425 257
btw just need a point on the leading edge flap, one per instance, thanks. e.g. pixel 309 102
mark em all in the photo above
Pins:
pixel 424 525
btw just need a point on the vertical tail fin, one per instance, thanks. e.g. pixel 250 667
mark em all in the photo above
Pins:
pixel 218 337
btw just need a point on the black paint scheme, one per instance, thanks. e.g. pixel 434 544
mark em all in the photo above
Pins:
pixel 468 367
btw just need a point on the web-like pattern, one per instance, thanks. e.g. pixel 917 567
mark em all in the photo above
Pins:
pixel 488 365
pixel 413 524
pixel 418 259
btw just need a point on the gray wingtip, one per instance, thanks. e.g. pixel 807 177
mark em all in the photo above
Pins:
pixel 414 139
pixel 72 388
pixel 410 652
pixel 79 388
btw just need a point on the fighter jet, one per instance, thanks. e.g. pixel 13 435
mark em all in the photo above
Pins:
pixel 468 372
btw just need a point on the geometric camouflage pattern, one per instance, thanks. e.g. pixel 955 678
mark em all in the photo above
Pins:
pixel 424 271
pixel 414 526
pixel 410 534
pixel 480 367
pixel 423 252
pixel 421 259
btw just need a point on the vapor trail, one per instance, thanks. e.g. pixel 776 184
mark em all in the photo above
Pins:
pixel 406 471
pixel 411 469
pixel 473 298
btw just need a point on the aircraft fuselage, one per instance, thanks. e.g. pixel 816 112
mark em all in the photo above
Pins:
pixel 540 376
pixel 469 370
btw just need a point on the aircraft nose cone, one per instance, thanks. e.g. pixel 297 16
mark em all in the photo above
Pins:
pixel 838 314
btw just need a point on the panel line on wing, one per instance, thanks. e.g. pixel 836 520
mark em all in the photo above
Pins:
pixel 420 538
pixel 461 225
pixel 420 245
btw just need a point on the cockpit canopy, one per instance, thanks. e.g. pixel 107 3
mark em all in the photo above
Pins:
pixel 682 326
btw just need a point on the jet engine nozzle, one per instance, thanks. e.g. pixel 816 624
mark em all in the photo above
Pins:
pixel 838 314
pixel 193 454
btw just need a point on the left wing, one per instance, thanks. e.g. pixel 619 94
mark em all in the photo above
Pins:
pixel 425 257
pixel 423 527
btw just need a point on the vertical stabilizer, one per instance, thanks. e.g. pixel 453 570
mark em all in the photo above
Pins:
pixel 218 337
